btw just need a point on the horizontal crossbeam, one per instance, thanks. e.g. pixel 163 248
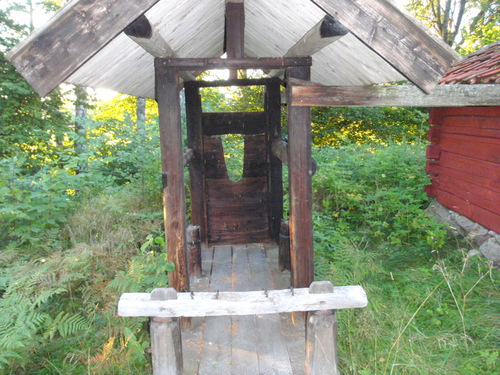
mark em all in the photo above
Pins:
pixel 241 303
pixel 245 63
pixel 397 96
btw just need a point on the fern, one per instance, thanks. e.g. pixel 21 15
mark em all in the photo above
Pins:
pixel 65 323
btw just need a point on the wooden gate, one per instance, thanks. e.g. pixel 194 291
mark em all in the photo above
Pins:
pixel 250 209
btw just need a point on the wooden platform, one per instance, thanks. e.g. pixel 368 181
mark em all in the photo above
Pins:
pixel 261 344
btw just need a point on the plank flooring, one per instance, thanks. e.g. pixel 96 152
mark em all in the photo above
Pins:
pixel 243 345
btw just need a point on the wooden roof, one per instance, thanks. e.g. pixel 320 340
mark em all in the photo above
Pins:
pixel 84 43
pixel 480 67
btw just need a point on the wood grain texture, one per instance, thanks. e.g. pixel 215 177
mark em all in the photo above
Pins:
pixel 402 96
pixel 255 160
pixel 242 303
pixel 77 32
pixel 272 105
pixel 173 165
pixel 395 36
pixel 234 82
pixel 300 173
pixel 243 63
pixel 214 163
pixel 235 32
pixel 247 123
pixel 196 167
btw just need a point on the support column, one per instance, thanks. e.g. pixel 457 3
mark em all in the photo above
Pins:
pixel 196 168
pixel 273 132
pixel 300 173
pixel 174 195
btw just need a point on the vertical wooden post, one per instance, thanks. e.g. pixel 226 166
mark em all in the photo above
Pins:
pixel 300 173
pixel 321 336
pixel 273 132
pixel 194 245
pixel 196 169
pixel 166 341
pixel 235 32
pixel 284 246
pixel 174 195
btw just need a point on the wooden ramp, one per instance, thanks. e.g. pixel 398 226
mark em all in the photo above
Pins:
pixel 256 344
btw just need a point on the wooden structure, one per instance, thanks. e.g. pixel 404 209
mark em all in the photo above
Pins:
pixel 236 327
pixel 464 155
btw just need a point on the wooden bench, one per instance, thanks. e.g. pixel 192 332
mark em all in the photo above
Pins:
pixel 164 306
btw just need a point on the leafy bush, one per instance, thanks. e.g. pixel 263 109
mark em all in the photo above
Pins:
pixel 378 192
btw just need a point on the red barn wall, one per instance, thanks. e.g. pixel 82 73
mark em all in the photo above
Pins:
pixel 464 162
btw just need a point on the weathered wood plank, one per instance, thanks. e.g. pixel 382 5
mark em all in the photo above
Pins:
pixel 271 347
pixel 245 63
pixel 279 149
pixel 401 96
pixel 284 246
pixel 255 160
pixel 300 172
pixel 272 104
pixel 216 351
pixel 77 32
pixel 196 167
pixel 173 165
pixel 225 188
pixel 148 37
pixel 247 123
pixel 395 36
pixel 214 163
pixel 244 356
pixel 234 82
pixel 194 243
pixel 242 303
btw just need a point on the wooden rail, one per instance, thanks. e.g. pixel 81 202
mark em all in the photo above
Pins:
pixel 165 306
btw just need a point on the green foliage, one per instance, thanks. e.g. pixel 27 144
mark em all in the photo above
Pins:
pixel 379 191
pixel 336 126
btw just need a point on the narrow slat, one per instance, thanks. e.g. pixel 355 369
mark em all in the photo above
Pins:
pixel 271 348
pixel 244 357
pixel 216 352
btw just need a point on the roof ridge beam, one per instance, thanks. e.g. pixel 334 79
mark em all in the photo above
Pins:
pixel 76 33
pixel 324 33
pixel 244 63
pixel 148 37
pixel 396 37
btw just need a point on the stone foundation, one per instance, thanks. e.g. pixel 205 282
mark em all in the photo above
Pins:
pixel 485 240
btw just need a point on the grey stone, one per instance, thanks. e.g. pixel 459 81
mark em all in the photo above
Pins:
pixel 473 253
pixel 466 224
pixel 440 212
pixel 491 250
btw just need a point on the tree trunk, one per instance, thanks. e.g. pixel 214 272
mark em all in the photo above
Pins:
pixel 140 111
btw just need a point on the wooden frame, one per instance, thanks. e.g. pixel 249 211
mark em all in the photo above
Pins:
pixel 244 63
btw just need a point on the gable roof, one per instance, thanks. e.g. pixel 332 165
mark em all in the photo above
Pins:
pixel 480 67
pixel 84 43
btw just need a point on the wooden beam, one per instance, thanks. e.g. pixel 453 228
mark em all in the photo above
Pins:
pixel 235 32
pixel 397 37
pixel 395 96
pixel 247 123
pixel 75 34
pixel 202 304
pixel 234 82
pixel 172 159
pixel 244 63
pixel 147 36
pixel 325 32
pixel 300 186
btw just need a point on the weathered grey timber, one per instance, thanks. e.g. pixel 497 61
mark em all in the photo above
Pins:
pixel 78 31
pixel 384 96
pixel 166 342
pixel 372 21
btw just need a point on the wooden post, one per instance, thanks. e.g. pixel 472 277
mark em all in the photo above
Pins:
pixel 235 32
pixel 174 196
pixel 321 336
pixel 273 132
pixel 166 342
pixel 196 170
pixel 299 172
pixel 284 246
pixel 194 245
